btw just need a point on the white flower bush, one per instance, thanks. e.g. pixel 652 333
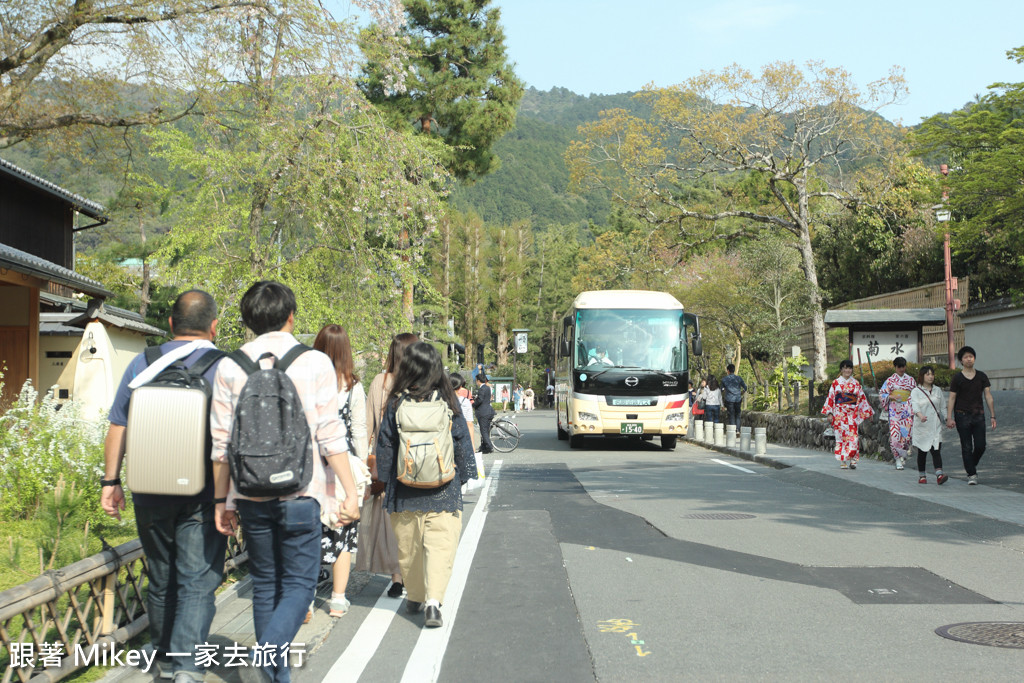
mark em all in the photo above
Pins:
pixel 42 441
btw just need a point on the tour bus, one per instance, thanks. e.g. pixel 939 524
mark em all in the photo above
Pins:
pixel 623 366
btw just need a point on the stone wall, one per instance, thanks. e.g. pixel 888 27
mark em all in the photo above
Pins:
pixel 808 432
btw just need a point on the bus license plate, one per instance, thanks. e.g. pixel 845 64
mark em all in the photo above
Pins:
pixel 631 428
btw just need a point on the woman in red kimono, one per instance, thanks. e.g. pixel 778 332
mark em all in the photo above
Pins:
pixel 848 406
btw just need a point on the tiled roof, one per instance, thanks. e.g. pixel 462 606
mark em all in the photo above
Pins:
pixel 925 316
pixel 1002 304
pixel 29 264
pixel 86 206
pixel 77 314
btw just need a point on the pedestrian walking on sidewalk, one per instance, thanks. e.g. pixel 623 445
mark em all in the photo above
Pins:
pixel 928 405
pixel 465 397
pixel 969 390
pixel 282 533
pixel 733 388
pixel 848 407
pixel 184 551
pixel 894 401
pixel 427 521
pixel 379 553
pixel 484 412
pixel 338 544
pixel 712 401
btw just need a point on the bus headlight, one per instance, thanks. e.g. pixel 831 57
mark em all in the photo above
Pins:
pixel 675 417
pixel 586 417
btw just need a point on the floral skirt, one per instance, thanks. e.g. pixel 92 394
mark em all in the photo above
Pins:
pixel 338 540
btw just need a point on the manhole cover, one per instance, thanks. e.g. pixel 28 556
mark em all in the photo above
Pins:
pixel 994 633
pixel 718 515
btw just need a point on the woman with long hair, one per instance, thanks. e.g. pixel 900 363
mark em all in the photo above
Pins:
pixel 712 400
pixel 376 537
pixel 464 397
pixel 337 545
pixel 427 521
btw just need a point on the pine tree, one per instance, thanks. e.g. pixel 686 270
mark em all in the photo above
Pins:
pixel 462 87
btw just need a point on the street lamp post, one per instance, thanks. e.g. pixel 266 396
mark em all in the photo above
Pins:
pixel 519 345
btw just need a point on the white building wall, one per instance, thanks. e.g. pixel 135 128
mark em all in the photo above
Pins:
pixel 1000 358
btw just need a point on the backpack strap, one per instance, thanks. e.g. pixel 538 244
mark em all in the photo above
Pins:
pixel 287 359
pixel 206 361
pixel 152 353
pixel 244 362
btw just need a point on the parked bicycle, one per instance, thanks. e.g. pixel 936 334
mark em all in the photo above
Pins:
pixel 505 434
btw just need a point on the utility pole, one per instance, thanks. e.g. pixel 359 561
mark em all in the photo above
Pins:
pixel 943 215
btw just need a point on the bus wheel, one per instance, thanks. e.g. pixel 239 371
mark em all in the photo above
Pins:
pixel 576 441
pixel 668 442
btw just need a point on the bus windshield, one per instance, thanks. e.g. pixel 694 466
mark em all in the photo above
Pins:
pixel 630 338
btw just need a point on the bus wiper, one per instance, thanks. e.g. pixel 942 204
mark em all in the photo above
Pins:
pixel 663 373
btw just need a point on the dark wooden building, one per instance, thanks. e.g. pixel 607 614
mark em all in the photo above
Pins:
pixel 38 221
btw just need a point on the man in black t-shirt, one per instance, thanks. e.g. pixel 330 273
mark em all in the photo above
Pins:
pixel 969 390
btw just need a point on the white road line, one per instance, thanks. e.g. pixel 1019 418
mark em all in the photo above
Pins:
pixel 735 467
pixel 425 662
pixel 364 644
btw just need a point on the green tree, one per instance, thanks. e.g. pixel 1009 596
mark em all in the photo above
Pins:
pixel 797 130
pixel 295 178
pixel 780 298
pixel 557 253
pixel 984 146
pixel 866 251
pixel 462 86
pixel 506 265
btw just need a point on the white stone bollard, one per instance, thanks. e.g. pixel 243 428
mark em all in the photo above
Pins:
pixel 760 440
pixel 730 436
pixel 698 430
pixel 719 434
pixel 744 439
pixel 709 433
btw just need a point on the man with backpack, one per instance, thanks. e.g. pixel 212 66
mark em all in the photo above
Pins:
pixel 278 444
pixel 184 552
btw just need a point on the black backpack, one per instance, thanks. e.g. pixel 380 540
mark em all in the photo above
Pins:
pixel 271 451
pixel 167 440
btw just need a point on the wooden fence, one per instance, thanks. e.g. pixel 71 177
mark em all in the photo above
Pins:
pixel 97 601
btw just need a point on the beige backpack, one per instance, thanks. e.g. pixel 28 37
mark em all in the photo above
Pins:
pixel 426 450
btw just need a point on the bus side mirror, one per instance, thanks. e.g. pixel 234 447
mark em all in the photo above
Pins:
pixel 565 342
pixel 698 346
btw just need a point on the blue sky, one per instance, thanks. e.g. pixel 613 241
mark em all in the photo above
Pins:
pixel 950 51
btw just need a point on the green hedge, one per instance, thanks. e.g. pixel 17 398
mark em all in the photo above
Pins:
pixel 883 369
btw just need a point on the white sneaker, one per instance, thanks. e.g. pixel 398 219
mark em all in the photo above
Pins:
pixel 899 463
pixel 972 480
pixel 339 607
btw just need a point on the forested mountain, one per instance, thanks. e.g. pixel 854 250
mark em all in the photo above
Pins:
pixel 532 180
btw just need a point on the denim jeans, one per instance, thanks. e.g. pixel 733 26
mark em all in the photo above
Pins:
pixel 971 428
pixel 732 411
pixel 283 541
pixel 711 413
pixel 185 554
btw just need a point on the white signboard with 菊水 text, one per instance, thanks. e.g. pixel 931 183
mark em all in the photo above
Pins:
pixel 884 346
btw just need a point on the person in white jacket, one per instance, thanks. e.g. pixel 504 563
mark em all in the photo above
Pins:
pixel 929 405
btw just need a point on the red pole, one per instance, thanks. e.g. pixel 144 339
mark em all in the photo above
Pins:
pixel 949 304
pixel 944 170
